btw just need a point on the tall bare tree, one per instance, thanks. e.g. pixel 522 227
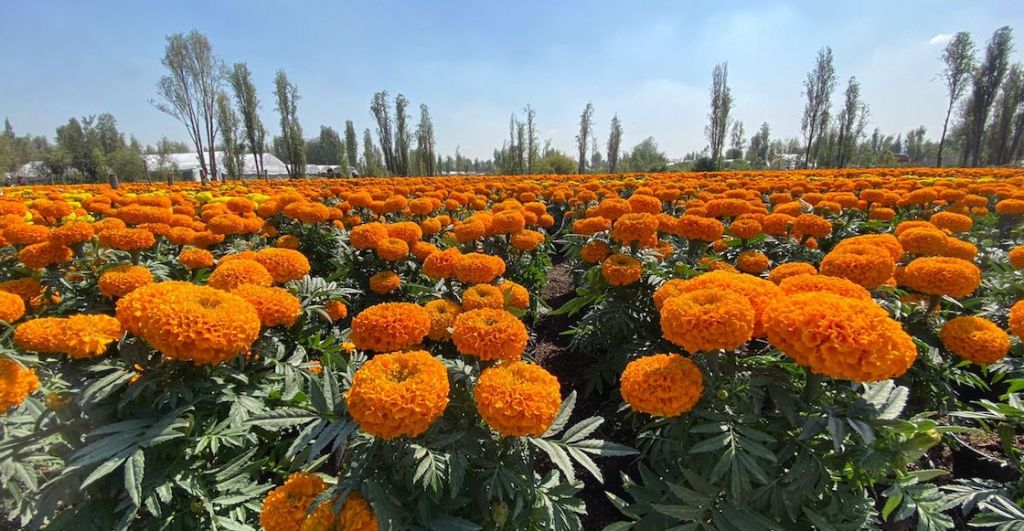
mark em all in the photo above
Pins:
pixel 582 139
pixel 984 89
pixel 852 121
pixel 425 145
pixel 718 114
pixel 231 133
pixel 818 89
pixel 189 92
pixel 248 105
pixel 403 138
pixel 380 107
pixel 1009 109
pixel 958 58
pixel 291 131
pixel 531 138
pixel 614 143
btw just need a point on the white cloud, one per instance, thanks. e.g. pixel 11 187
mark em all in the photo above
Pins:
pixel 940 38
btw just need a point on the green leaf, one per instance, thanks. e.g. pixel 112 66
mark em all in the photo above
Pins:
pixel 282 418
pixel 557 455
pixel 582 429
pixel 562 418
pixel 134 471
pixel 709 445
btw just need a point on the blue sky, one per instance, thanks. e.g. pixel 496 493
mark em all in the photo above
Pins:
pixel 474 63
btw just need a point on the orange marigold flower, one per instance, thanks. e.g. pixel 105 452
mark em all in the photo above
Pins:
pixel 1010 207
pixel 942 276
pixel 882 213
pixel 1016 257
pixel 367 235
pixel 613 208
pixel 16 383
pixel 288 241
pixel 975 339
pixel 663 385
pixel 778 224
pixel 27 288
pixel 127 239
pixel 476 268
pixel 385 282
pixel 670 288
pixel 588 226
pixel 25 234
pixel 421 250
pixel 195 258
pixel 121 280
pixel 508 222
pixel 518 399
pixel 790 269
pixel 441 264
pixel 923 241
pixel 515 295
pixel 952 221
pixel 758 291
pixel 808 283
pixel 839 337
pixel 233 273
pixel 490 334
pixel 957 248
pixel 885 241
pixel 284 265
pixel 594 252
pixel 284 508
pixel 527 240
pixel 752 262
pixel 1017 319
pixel 336 310
pixel 43 255
pixel 356 515
pixel 275 306
pixel 621 270
pixel 707 319
pixel 88 336
pixel 699 228
pixel 71 233
pixel 442 313
pixel 482 296
pixel 399 394
pixel 867 265
pixel 811 225
pixel 12 307
pixel 392 249
pixel 390 326
pixel 635 227
pixel 745 228
pixel 44 335
pixel 189 322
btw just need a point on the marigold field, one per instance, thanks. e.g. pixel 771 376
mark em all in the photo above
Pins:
pixel 819 349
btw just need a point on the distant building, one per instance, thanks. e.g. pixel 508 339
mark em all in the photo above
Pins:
pixel 185 166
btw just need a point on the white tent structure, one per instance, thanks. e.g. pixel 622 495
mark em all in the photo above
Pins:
pixel 186 165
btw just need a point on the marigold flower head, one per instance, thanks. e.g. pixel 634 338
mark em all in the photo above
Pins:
pixel 336 310
pixel 952 221
pixel 790 269
pixel 127 239
pixel 882 213
pixel 508 222
pixel 490 334
pixel 284 508
pixel 699 228
pixel 45 254
pixel 1016 257
pixel 482 296
pixel 957 248
pixel 594 252
pixel 589 226
pixel 476 268
pixel 390 326
pixel 663 385
pixel 635 228
pixel 527 240
pixel 421 250
pixel 195 258
pixel 707 319
pixel 975 339
pixel 89 335
pixel 621 270
pixel 392 249
pixel 518 399
pixel 385 282
pixel 121 280
pixel 867 265
pixel 441 265
pixel 1017 319
pixel 758 291
pixel 233 273
pixel 808 283
pixel 284 265
pixel 839 337
pixel 1010 207
pixel 923 241
pixel 25 234
pixel 811 225
pixel 442 313
pixel 515 295
pixel 941 275
pixel 16 384
pixel 189 322
pixel 27 288
pixel 399 394
pixel 356 515
pixel 613 208
pixel 745 228
pixel 367 235
pixel 752 262
pixel 885 241
pixel 71 233
pixel 12 307
pixel 275 306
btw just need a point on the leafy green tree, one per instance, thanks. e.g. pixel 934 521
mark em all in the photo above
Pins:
pixel 852 121
pixel 1004 137
pixel 984 89
pixel 614 143
pixel 372 164
pixel 818 89
pixel 380 108
pixel 531 138
pixel 959 60
pixel 555 162
pixel 646 157
pixel 757 153
pixel 291 131
pixel 718 114
pixel 231 133
pixel 351 145
pixel 248 104
pixel 582 139
pixel 402 135
pixel 425 144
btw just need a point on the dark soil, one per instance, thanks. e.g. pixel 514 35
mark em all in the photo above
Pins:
pixel 551 350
